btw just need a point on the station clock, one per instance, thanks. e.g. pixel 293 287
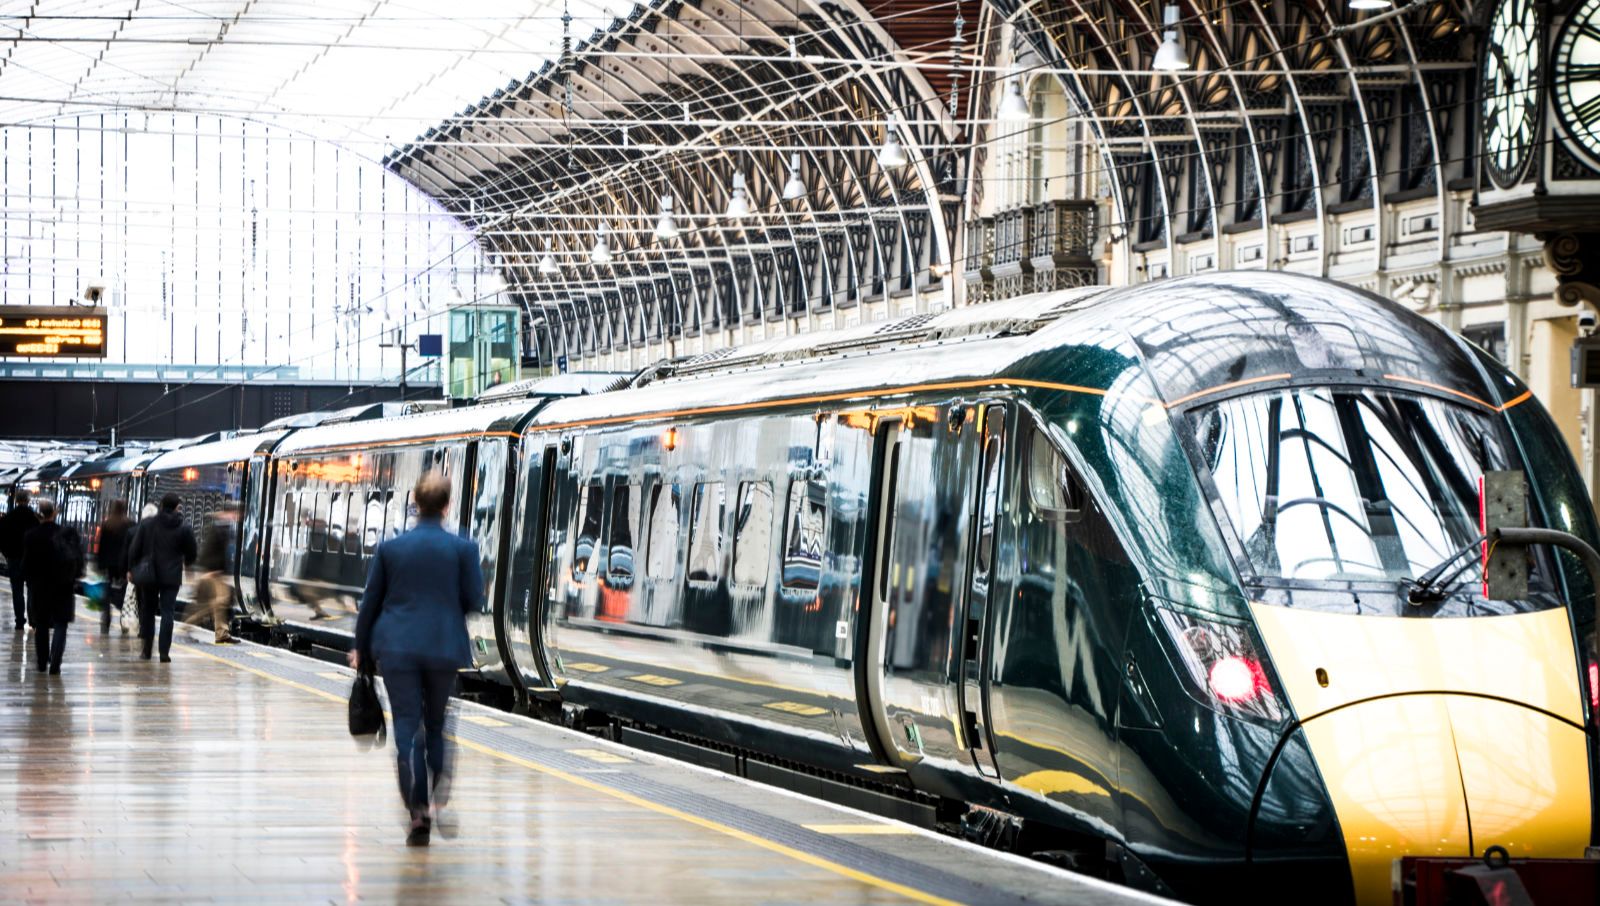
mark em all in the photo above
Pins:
pixel 1575 70
pixel 1512 59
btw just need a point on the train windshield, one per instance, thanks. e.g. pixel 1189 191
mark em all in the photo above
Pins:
pixel 1355 488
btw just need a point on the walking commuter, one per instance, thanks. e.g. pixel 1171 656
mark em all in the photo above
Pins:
pixel 111 558
pixel 52 561
pixel 19 521
pixel 213 592
pixel 144 596
pixel 162 546
pixel 412 628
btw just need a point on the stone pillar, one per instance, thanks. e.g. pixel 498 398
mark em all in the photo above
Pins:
pixel 1550 377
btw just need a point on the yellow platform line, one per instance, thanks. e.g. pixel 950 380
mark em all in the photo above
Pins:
pixel 815 861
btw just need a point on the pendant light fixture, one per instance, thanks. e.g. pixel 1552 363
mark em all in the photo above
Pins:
pixel 1371 4
pixel 601 253
pixel 738 204
pixel 1170 56
pixel 666 226
pixel 1014 106
pixel 795 187
pixel 891 154
pixel 547 264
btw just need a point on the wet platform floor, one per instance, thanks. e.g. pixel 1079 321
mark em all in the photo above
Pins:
pixel 228 775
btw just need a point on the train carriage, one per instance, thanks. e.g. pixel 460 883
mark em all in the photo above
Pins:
pixel 88 488
pixel 1140 569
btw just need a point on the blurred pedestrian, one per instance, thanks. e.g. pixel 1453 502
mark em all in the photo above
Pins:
pixel 144 595
pixel 52 562
pixel 213 591
pixel 162 546
pixel 111 558
pixel 19 521
pixel 412 627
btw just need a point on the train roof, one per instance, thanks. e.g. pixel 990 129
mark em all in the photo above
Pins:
pixel 228 449
pixel 466 421
pixel 1188 334
pixel 112 462
pixel 573 383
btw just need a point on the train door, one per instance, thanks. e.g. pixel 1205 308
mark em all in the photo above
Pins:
pixel 519 619
pixel 254 526
pixel 976 642
pixel 872 644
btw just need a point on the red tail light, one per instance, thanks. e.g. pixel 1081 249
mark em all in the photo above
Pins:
pixel 1221 664
pixel 1237 680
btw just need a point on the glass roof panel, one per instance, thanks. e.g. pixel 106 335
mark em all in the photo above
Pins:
pixel 368 73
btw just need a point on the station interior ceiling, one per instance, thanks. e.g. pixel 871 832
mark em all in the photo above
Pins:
pixel 311 185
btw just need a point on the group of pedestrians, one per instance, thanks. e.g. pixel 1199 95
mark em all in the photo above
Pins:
pixel 46 559
pixel 411 628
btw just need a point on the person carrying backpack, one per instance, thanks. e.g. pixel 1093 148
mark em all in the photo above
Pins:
pixel 52 562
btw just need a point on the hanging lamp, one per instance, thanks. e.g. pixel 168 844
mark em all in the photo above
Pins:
pixel 1170 56
pixel 601 253
pixel 1370 4
pixel 547 264
pixel 892 154
pixel 1014 106
pixel 738 204
pixel 666 226
pixel 795 187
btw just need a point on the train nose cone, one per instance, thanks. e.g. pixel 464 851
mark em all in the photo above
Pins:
pixel 1449 775
pixel 1439 736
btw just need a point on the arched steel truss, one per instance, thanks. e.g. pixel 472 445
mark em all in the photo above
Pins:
pixel 599 136
pixel 1292 110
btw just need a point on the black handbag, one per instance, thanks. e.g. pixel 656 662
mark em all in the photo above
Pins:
pixel 144 572
pixel 366 710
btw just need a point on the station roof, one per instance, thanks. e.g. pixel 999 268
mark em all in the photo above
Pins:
pixel 353 71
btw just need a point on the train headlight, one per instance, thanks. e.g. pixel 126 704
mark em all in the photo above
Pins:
pixel 1221 665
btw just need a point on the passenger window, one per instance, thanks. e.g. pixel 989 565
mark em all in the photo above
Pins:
pixel 372 529
pixel 318 539
pixel 355 510
pixel 705 532
pixel 661 558
pixel 394 521
pixel 591 498
pixel 619 541
pixel 802 545
pixel 752 534
pixel 336 523
pixel 1054 489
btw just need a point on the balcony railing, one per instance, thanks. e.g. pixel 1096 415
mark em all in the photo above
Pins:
pixel 1033 248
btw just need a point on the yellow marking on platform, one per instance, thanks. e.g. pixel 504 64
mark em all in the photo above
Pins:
pixel 601 755
pixel 773 846
pixel 650 679
pixel 483 720
pixel 796 708
pixel 859 829
pixel 587 667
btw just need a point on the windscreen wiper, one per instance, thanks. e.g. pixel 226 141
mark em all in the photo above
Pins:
pixel 1433 586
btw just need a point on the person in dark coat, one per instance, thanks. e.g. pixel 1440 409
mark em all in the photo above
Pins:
pixel 19 521
pixel 111 558
pixel 170 545
pixel 213 592
pixel 52 561
pixel 412 626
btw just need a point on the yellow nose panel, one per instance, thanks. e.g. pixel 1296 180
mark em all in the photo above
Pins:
pixel 1526 779
pixel 1390 769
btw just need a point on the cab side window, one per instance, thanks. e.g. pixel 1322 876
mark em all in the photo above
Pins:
pixel 1054 488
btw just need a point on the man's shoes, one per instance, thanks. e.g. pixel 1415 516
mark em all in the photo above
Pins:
pixel 55 669
pixel 166 659
pixel 230 640
pixel 144 651
pixel 43 666
pixel 419 833
pixel 19 627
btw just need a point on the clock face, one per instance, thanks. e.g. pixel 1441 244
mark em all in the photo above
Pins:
pixel 1577 79
pixel 1511 64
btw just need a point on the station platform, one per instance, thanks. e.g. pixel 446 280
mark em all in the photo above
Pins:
pixel 228 775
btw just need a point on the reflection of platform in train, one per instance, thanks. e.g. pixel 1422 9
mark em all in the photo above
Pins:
pixel 230 773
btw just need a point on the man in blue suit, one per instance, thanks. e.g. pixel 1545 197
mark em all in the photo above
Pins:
pixel 412 625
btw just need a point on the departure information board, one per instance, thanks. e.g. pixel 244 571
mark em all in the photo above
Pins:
pixel 52 332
